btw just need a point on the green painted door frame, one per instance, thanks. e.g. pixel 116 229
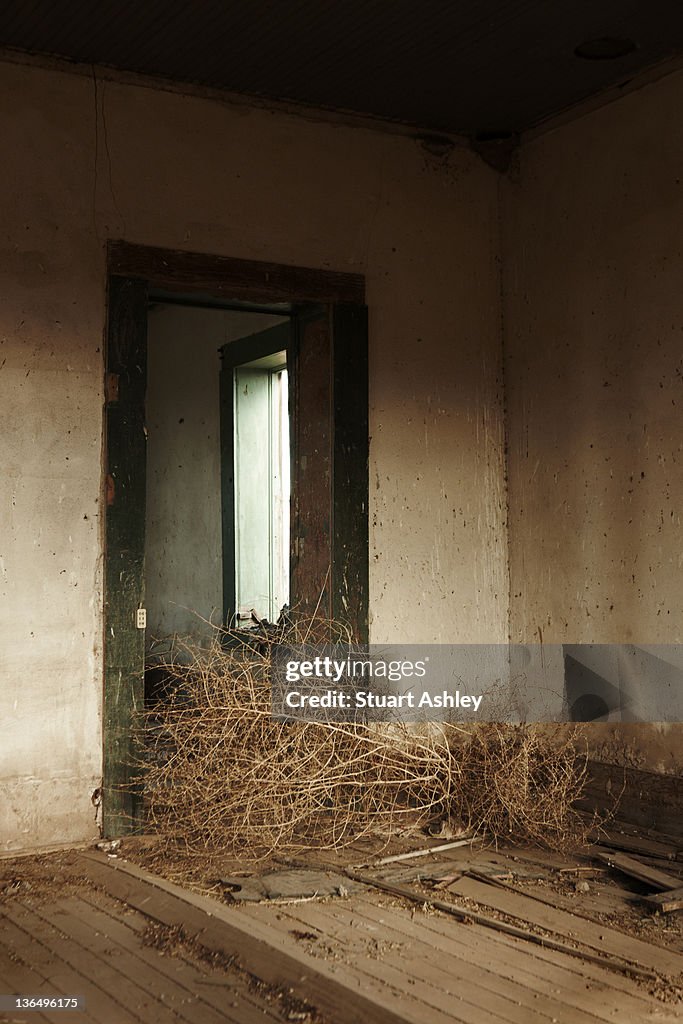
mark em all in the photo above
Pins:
pixel 124 578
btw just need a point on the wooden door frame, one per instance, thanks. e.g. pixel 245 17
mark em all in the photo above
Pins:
pixel 134 272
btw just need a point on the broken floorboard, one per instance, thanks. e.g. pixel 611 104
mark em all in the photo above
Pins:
pixel 654 877
pixel 633 842
pixel 457 973
pixel 666 902
pixel 358 959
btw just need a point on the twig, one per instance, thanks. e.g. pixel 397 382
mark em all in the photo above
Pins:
pixel 425 851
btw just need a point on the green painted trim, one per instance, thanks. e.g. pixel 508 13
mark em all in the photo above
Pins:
pixel 124 644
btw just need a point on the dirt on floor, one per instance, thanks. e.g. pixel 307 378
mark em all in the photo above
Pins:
pixel 42 877
pixel 575 882
pixel 201 872
pixel 572 882
pixel 173 941
pixel 45 878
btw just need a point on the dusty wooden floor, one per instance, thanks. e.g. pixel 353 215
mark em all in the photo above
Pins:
pixel 87 944
pixel 437 970
pixel 140 948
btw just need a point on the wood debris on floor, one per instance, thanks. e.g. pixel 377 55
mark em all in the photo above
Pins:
pixel 509 956
pixel 667 888
pixel 287 885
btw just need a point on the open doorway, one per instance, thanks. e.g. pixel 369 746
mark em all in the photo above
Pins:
pixel 192 487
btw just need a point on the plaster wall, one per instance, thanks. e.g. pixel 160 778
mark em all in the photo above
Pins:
pixel 87 160
pixel 593 341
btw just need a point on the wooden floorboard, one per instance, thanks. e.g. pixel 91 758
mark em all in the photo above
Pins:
pixel 584 986
pixel 601 899
pixel 364 959
pixel 454 985
pixel 384 993
pixel 601 937
pixel 94 949
pixel 215 989
pixel 16 979
pixel 481 963
pixel 533 991
pixel 566 981
pixel 590 990
pixel 108 990
pixel 44 958
pixel 605 899
pixel 257 947
pixel 142 973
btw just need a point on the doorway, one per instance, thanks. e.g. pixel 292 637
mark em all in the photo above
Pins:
pixel 197 492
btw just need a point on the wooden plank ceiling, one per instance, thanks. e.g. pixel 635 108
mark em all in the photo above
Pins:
pixel 473 68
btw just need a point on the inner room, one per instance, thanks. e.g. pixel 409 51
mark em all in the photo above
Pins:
pixel 218 473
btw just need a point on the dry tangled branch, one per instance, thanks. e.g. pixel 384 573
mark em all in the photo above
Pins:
pixel 522 782
pixel 220 772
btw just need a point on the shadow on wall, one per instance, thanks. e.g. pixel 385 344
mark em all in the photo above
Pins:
pixel 624 683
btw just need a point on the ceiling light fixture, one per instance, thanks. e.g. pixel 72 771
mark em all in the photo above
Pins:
pixel 604 48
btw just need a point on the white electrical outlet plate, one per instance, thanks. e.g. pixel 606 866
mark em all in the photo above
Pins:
pixel 141 618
